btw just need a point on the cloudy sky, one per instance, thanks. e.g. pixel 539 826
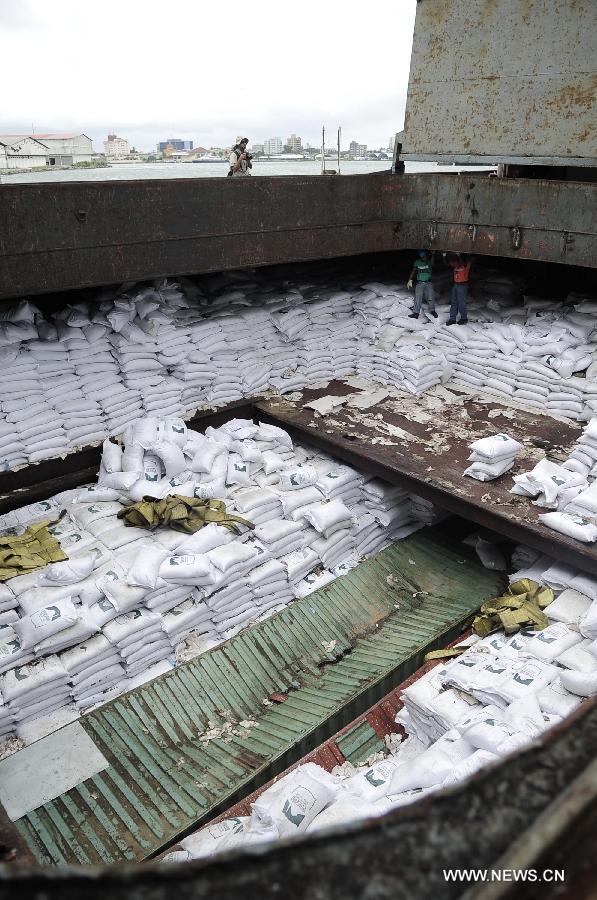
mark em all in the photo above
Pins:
pixel 150 69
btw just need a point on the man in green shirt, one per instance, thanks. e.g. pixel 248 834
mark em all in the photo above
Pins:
pixel 423 269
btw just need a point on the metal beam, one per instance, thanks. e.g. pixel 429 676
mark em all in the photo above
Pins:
pixel 71 235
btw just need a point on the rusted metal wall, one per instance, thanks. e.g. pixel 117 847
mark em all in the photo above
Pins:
pixel 62 236
pixel 503 80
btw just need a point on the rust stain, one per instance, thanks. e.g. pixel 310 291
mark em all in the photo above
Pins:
pixel 573 95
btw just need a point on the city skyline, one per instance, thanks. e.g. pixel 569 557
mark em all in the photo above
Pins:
pixel 112 81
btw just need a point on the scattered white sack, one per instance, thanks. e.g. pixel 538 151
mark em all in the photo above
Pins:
pixel 297 477
pixel 374 782
pixel 570 606
pixel 346 809
pixel 70 570
pixel 588 624
pixel 580 657
pixel 551 641
pixel 586 585
pixel 176 857
pixel 329 517
pixel 469 766
pixel 292 803
pixel 188 568
pixel 45 622
pixel 573 526
pixel 487 729
pixel 556 700
pixel 207 841
pixel 482 471
pixel 494 448
pixel 111 456
pixel 583 684
pixel 144 571
pixel 432 767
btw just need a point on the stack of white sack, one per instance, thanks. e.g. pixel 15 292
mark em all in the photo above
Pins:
pixel 139 638
pixel 96 671
pixel 192 616
pixel 147 591
pixel 549 484
pixel 583 458
pixel 96 366
pixel 422 367
pixel 425 511
pixel 8 605
pixel 27 404
pixel 391 508
pixel 492 456
pixel 7 718
pixel 34 690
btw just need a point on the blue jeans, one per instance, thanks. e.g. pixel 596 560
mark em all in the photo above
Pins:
pixel 424 291
pixel 459 298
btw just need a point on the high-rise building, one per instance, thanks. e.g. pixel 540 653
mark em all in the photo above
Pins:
pixel 272 146
pixel 294 144
pixel 116 148
pixel 357 149
pixel 391 142
pixel 176 144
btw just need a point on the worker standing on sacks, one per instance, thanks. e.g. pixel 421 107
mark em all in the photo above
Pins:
pixel 423 269
pixel 462 269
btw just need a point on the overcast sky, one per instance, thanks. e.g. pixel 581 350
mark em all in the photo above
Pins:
pixel 205 71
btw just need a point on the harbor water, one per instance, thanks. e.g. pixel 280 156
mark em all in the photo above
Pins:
pixel 128 171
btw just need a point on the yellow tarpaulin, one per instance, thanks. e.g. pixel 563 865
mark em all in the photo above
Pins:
pixel 187 514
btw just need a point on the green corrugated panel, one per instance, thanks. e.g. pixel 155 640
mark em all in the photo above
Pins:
pixel 335 653
pixel 359 743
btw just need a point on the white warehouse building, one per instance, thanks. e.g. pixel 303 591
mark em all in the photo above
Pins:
pixel 66 149
pixel 19 152
pixel 55 149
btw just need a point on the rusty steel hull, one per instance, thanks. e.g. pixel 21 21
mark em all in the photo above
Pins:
pixel 65 236
pixel 503 81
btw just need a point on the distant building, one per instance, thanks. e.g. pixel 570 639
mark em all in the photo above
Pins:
pixel 197 151
pixel 273 146
pixel 257 148
pixel 176 144
pixel 61 149
pixel 18 152
pixel 116 148
pixel 357 149
pixel 294 144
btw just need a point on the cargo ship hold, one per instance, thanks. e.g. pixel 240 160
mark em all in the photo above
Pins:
pixel 366 668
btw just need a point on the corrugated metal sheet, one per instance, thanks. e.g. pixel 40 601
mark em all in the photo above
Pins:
pixel 333 654
pixel 503 80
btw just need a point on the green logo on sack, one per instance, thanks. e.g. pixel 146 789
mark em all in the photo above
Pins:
pixel 549 639
pixel 370 777
pixel 294 818
pixel 21 674
pixel 525 681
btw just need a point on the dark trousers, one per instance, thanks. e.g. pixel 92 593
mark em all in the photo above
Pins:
pixel 459 298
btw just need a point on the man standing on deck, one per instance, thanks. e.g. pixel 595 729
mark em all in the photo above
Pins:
pixel 461 268
pixel 239 159
pixel 423 269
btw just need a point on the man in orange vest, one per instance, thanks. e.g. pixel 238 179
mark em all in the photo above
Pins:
pixel 461 268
